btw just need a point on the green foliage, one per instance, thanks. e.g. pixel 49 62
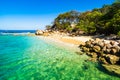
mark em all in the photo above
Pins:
pixel 105 20
pixel 118 33
pixel 48 27
pixel 64 21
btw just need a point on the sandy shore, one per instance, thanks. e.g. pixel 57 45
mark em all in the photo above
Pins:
pixel 67 42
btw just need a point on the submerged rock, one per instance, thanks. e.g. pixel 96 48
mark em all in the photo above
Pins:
pixel 112 69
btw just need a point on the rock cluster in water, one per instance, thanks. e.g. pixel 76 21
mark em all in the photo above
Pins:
pixel 49 32
pixel 42 33
pixel 106 52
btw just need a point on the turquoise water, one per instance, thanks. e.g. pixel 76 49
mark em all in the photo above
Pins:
pixel 31 58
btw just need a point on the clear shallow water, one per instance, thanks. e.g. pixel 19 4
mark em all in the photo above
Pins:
pixel 30 58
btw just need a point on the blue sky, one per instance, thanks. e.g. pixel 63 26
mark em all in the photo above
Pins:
pixel 35 14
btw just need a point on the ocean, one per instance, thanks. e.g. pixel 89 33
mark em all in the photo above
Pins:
pixel 31 58
pixel 17 31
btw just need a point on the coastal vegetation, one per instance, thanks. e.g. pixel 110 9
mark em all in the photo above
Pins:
pixel 105 20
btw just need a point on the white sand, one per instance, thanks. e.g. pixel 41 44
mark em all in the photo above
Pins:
pixel 67 42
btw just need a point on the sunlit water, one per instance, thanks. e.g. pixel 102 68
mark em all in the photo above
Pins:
pixel 31 58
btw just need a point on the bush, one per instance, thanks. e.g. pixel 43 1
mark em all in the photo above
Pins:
pixel 118 33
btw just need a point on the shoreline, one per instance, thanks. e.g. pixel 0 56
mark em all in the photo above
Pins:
pixel 73 43
pixel 67 42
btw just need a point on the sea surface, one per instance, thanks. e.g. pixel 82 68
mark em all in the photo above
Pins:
pixel 31 58
pixel 17 31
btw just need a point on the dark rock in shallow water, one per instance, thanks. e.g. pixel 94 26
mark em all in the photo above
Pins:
pixel 115 69
pixel 79 53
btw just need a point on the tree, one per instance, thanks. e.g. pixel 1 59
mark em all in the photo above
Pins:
pixel 64 21
pixel 116 1
pixel 48 27
pixel 105 20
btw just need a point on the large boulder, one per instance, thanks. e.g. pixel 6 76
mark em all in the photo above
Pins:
pixel 85 49
pixel 39 32
pixel 112 59
pixel 96 48
pixel 113 51
pixel 101 44
pixel 88 44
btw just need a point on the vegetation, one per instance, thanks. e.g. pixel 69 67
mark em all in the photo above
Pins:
pixel 105 20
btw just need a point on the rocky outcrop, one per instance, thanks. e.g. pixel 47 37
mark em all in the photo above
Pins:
pixel 104 51
pixel 107 52
pixel 43 33
pixel 39 32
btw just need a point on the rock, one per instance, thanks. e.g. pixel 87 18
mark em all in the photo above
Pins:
pixel 94 55
pixel 79 53
pixel 85 49
pixel 114 69
pixel 112 59
pixel 92 59
pixel 112 42
pixel 101 44
pixel 97 39
pixel 96 48
pixel 108 51
pixel 108 46
pixel 117 48
pixel 103 60
pixel 45 34
pixel 113 51
pixel 39 32
pixel 88 44
pixel 88 53
pixel 104 49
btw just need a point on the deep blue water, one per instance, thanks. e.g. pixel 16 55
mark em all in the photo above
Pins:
pixel 31 58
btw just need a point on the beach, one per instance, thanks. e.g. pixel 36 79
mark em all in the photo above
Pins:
pixel 68 42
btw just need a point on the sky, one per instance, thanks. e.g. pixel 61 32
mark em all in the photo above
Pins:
pixel 36 14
